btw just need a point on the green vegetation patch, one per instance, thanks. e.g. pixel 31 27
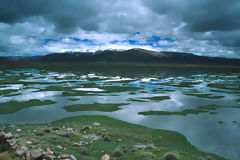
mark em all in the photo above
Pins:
pixel 225 86
pixel 5 92
pixel 201 109
pixel 105 107
pixel 186 84
pixel 202 95
pixel 118 139
pixel 56 88
pixel 14 106
pixel 157 98
pixel 182 113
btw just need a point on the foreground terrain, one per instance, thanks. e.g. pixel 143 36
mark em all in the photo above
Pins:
pixel 95 137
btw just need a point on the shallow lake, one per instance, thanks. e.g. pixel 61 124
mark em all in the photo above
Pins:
pixel 202 104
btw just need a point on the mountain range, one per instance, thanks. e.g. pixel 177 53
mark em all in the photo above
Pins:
pixel 126 56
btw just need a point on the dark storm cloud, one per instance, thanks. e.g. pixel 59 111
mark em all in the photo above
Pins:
pixel 204 27
pixel 200 15
pixel 221 17
pixel 67 15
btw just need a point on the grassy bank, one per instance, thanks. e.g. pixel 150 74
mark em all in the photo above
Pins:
pixel 90 137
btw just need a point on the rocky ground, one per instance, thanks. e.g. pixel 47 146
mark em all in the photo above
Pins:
pixel 94 137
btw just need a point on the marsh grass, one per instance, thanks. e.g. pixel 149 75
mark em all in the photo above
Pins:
pixel 14 106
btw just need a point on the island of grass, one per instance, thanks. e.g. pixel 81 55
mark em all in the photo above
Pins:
pixel 201 109
pixel 156 98
pixel 91 137
pixel 224 86
pixel 14 106
pixel 104 107
pixel 202 95
pixel 182 113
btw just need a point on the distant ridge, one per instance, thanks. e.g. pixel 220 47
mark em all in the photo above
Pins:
pixel 135 55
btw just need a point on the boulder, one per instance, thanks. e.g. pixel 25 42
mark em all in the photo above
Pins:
pixel 21 151
pixel 37 153
pixel 8 135
pixel 86 127
pixel 11 142
pixel 170 156
pixel 47 130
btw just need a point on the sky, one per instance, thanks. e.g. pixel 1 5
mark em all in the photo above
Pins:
pixel 39 27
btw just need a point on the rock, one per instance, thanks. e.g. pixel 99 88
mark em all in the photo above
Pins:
pixel 21 151
pixel 39 133
pixel 8 135
pixel 96 124
pixel 16 136
pixel 55 129
pixel 18 130
pixel 59 147
pixel 28 155
pixel 51 157
pixel 48 151
pixel 11 142
pixel 2 137
pixel 69 130
pixel 47 130
pixel 14 147
pixel 72 157
pixel 105 157
pixel 63 156
pixel 84 151
pixel 170 156
pixel 117 153
pixel 37 153
pixel 86 127
pixel 28 142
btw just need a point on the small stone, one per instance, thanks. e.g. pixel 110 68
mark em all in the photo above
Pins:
pixel 105 157
pixel 16 136
pixel 119 140
pixel 63 156
pixel 18 130
pixel 69 130
pixel 28 155
pixel 28 142
pixel 36 153
pixel 48 151
pixel 59 147
pixel 96 124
